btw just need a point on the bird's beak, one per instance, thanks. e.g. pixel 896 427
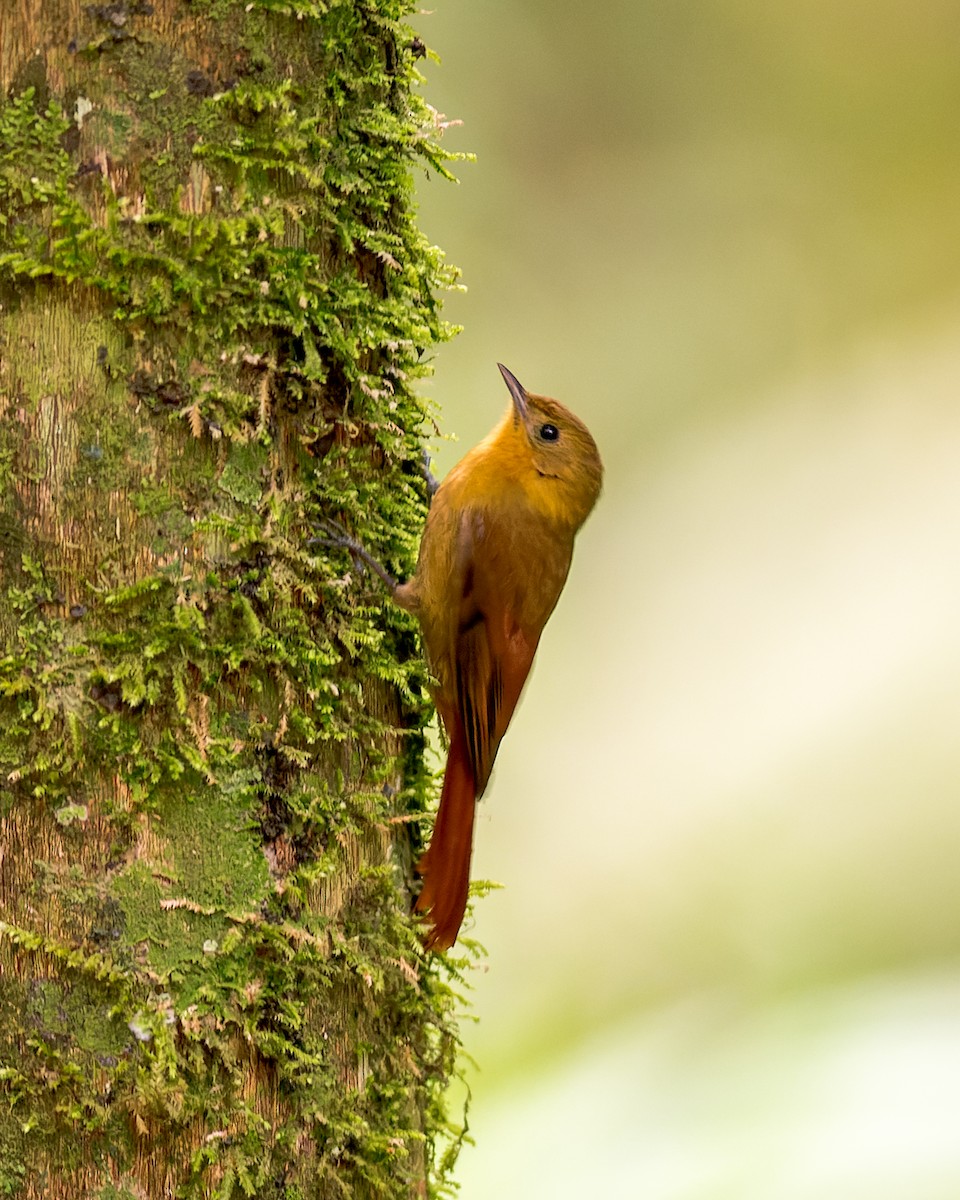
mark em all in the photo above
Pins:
pixel 516 391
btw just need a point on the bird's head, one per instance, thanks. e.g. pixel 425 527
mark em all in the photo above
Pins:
pixel 561 448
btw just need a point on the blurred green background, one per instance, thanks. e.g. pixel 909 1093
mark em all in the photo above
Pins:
pixel 726 962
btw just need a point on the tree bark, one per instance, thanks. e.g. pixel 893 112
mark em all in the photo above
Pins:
pixel 215 302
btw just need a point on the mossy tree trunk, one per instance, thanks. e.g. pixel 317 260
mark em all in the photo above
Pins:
pixel 214 304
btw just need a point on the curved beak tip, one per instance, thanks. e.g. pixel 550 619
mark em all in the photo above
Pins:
pixel 516 389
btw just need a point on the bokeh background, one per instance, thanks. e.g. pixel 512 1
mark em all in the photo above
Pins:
pixel 726 961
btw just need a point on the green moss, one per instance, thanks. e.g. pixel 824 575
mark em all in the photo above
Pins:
pixel 213 711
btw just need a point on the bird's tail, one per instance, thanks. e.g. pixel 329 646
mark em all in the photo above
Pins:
pixel 445 866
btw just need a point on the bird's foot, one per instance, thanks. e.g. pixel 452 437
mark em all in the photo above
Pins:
pixel 431 479
pixel 335 536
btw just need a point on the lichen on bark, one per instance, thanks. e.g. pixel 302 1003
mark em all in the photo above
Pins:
pixel 216 304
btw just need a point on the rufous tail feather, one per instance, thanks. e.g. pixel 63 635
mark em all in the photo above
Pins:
pixel 445 866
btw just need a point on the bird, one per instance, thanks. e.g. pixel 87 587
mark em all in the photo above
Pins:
pixel 494 556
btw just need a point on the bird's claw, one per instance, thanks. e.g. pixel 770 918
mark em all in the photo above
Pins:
pixel 338 538
pixel 429 477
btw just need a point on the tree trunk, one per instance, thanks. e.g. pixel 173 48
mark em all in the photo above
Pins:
pixel 214 304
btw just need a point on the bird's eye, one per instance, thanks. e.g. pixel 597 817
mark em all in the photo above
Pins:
pixel 548 432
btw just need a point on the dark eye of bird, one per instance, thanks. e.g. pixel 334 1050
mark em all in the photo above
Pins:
pixel 549 433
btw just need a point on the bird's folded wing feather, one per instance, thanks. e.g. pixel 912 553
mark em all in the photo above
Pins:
pixel 493 653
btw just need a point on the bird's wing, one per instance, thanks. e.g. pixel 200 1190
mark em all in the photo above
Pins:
pixel 493 649
pixel 500 591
